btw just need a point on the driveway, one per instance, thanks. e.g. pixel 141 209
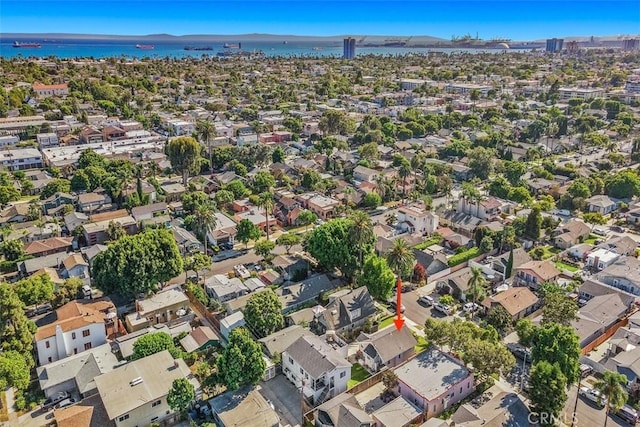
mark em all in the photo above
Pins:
pixel 419 313
pixel 285 399
pixel 586 413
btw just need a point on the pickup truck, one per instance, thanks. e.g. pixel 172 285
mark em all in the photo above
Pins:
pixel 54 400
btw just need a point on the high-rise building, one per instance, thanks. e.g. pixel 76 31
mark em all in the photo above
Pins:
pixel 554 45
pixel 630 44
pixel 349 48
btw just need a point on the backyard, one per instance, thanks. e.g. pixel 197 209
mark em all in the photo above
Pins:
pixel 358 374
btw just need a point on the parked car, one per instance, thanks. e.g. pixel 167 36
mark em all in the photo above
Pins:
pixel 65 402
pixel 54 400
pixel 442 308
pixel 470 307
pixel 41 309
pixel 393 305
pixel 520 351
pixel 618 229
pixel 426 300
pixel 585 370
pixel 628 414
pixel 593 395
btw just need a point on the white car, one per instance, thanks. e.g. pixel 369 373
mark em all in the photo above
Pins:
pixel 593 395
pixel 442 308
pixel 470 306
pixel 426 300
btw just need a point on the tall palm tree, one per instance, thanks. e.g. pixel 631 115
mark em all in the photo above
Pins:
pixel 206 130
pixel 205 221
pixel 360 232
pixel 403 173
pixel 265 201
pixel 476 281
pixel 612 387
pixel 400 258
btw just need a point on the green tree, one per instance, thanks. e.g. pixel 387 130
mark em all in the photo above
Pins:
pixel 68 291
pixel 196 261
pixel 509 267
pixel 241 361
pixel 361 233
pixel 35 289
pixel 612 386
pixel 306 218
pixel 8 194
pixel 513 171
pixel 193 200
pixel 547 388
pixel 488 358
pixel 12 249
pixel 372 200
pixel 154 343
pixel 263 248
pixel 329 245
pixel 181 394
pixel 288 240
pixel 534 223
pixel 624 184
pixel 16 331
pixel 263 313
pixel 476 284
pixel 224 198
pixel 278 155
pixel 594 218
pixel 137 264
pixel 80 181
pixel 558 344
pixel 204 222
pixel 184 155
pixel 334 122
pixel 499 318
pixel 57 185
pixel 526 332
pixel 115 231
pixel 389 380
pixel 15 370
pixel 400 258
pixel 579 189
pixel 481 161
pixel 246 231
pixel 263 181
pixel 238 189
pixel 90 158
pixel 558 308
pixel 377 277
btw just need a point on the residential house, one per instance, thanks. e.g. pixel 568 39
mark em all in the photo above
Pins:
pixel 257 217
pixel 187 242
pixel 499 264
pixel 623 274
pixel 231 322
pixel 224 230
pixel 43 91
pixel 53 245
pixel 200 338
pixel 415 219
pixel 75 374
pixel 75 219
pixel 296 294
pixel 20 159
pixel 400 412
pixel 362 173
pixel 95 231
pixel 386 348
pixel 570 233
pixel 112 133
pixel 93 202
pixel 149 211
pixel 52 204
pixel 46 140
pixel 136 393
pixel 290 265
pixel 75 266
pixel 434 381
pixel 90 135
pixel 17 212
pixel 342 410
pixel 518 302
pixel 79 326
pixel 599 316
pixel 535 273
pixel 486 210
pixel 223 289
pixel 173 191
pixel 622 245
pixel 162 307
pixel 592 288
pixel 347 309
pixel 245 407
pixel 501 405
pixel 601 258
pixel 316 368
pixel 601 204
pixel 273 345
pixel 633 215
pixel 30 266
pixel 322 206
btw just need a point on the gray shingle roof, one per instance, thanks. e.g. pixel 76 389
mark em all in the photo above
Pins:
pixel 315 356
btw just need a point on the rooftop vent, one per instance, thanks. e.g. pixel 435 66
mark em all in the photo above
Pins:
pixel 136 381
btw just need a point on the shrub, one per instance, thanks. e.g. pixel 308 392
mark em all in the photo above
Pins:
pixel 464 256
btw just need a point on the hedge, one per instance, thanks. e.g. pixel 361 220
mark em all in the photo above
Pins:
pixel 464 256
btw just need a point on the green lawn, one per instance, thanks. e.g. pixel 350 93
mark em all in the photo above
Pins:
pixel 563 266
pixel 358 374
pixel 592 239
pixel 386 322
pixel 422 344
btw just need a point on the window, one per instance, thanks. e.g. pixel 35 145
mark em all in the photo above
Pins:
pixel 87 346
pixel 460 390
pixel 75 351
pixel 156 403
pixel 301 371
pixel 342 374
pixel 123 417
pixel 73 335
pixel 86 333
pixel 47 344
pixel 154 419
pixel 291 360
pixel 50 359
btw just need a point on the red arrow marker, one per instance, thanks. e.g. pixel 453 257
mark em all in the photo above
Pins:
pixel 399 321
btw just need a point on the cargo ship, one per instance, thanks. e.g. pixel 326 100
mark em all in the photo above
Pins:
pixel 145 46
pixel 198 48
pixel 232 46
pixel 18 44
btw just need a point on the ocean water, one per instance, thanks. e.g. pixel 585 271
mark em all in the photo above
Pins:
pixel 108 48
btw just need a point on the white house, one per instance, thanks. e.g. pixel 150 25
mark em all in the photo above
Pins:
pixel 601 259
pixel 601 203
pixel 21 159
pixel 417 220
pixel 231 322
pixel 79 326
pixel 317 368
pixel 46 140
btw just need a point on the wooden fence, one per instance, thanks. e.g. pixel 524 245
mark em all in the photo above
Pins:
pixel 605 336
pixel 202 309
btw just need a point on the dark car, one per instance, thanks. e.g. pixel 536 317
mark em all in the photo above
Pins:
pixel 54 400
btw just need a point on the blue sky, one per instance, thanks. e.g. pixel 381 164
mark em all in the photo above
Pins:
pixel 518 20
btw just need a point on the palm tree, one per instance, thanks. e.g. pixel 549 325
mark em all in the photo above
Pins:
pixel 476 281
pixel 612 388
pixel 205 220
pixel 360 232
pixel 206 130
pixel 403 173
pixel 265 202
pixel 400 258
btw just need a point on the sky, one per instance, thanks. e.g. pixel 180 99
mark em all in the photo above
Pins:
pixel 514 19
